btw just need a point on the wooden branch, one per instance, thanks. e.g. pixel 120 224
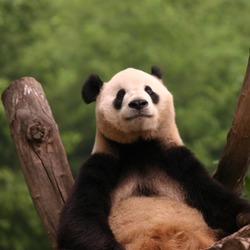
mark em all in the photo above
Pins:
pixel 41 153
pixel 235 161
pixel 237 241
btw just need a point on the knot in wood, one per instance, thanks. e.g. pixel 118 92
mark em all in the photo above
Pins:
pixel 37 133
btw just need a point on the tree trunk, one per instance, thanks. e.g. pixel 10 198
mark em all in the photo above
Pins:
pixel 235 162
pixel 41 153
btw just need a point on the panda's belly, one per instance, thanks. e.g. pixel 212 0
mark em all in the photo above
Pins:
pixel 146 223
pixel 152 182
pixel 149 212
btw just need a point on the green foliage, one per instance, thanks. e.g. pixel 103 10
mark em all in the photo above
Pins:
pixel 201 46
pixel 19 227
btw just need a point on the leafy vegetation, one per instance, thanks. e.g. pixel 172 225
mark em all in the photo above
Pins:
pixel 201 46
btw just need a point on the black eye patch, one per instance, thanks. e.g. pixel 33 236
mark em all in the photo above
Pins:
pixel 119 98
pixel 155 97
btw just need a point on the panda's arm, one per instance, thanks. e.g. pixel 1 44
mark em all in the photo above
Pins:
pixel 220 208
pixel 84 219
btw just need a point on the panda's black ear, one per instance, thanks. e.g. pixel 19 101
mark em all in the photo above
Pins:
pixel 91 88
pixel 155 71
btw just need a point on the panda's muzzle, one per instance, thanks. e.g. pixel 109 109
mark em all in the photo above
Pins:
pixel 138 104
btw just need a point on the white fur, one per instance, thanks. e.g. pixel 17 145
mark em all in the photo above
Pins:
pixel 116 125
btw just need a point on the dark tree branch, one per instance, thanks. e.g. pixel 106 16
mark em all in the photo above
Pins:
pixel 234 163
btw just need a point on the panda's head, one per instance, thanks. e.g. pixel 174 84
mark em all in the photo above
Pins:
pixel 133 105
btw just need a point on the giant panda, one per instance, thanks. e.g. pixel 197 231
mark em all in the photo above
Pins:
pixel 141 188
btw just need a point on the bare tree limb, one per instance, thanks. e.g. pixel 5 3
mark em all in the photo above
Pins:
pixel 237 241
pixel 41 153
pixel 235 162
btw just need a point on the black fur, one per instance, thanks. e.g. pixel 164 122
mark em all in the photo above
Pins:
pixel 154 96
pixel 155 71
pixel 84 220
pixel 91 88
pixel 119 99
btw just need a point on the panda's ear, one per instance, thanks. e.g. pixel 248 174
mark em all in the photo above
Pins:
pixel 91 88
pixel 155 71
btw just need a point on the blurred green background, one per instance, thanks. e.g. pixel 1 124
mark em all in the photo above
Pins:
pixel 202 48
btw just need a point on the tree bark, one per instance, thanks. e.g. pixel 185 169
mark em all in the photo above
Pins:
pixel 237 241
pixel 41 153
pixel 235 160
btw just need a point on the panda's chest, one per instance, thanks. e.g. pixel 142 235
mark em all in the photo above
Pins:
pixel 150 182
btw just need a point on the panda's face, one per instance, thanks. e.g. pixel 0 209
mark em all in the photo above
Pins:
pixel 133 104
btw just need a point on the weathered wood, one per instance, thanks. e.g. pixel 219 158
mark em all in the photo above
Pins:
pixel 41 153
pixel 235 161
pixel 237 241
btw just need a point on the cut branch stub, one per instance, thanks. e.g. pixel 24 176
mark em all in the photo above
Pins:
pixel 37 132
pixel 41 153
pixel 234 163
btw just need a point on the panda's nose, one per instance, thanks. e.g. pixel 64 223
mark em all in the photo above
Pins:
pixel 138 104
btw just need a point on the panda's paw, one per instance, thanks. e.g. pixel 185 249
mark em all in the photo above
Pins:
pixel 243 219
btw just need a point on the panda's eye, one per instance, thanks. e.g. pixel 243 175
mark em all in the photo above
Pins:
pixel 149 90
pixel 155 98
pixel 120 94
pixel 119 98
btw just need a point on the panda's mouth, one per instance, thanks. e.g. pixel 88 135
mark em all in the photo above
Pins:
pixel 138 116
